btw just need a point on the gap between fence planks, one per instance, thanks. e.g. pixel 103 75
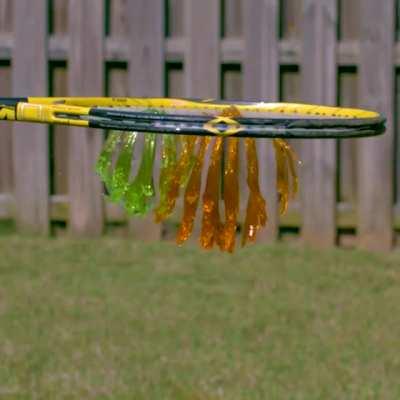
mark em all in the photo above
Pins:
pixel 348 91
pixel 318 172
pixel 86 73
pixel 59 87
pixel 375 161
pixel 30 142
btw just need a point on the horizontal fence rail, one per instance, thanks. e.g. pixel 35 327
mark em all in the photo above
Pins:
pixel 324 51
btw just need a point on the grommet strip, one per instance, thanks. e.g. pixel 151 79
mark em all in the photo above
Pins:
pixel 232 126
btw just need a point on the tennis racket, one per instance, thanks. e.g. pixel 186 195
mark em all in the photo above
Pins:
pixel 196 136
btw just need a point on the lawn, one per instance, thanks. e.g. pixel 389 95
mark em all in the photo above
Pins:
pixel 113 319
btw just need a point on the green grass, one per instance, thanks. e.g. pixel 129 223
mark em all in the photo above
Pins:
pixel 113 319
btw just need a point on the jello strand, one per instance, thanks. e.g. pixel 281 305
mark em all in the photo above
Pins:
pixel 292 160
pixel 119 181
pixel 183 167
pixel 211 223
pixel 192 193
pixel 188 145
pixel 282 175
pixel 256 214
pixel 231 197
pixel 104 162
pixel 141 189
pixel 168 168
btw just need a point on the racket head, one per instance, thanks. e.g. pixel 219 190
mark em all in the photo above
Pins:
pixel 202 117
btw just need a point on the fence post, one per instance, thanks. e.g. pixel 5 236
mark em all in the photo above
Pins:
pixel 375 156
pixel 146 77
pixel 318 177
pixel 86 75
pixel 261 82
pixel 30 142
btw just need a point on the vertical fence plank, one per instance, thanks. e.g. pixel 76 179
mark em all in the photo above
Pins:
pixel 261 82
pixel 375 161
pixel 86 59
pixel 319 156
pixel 30 142
pixel 348 84
pixel 146 76
pixel 202 62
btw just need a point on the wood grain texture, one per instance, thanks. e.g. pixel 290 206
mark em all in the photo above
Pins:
pixel 318 178
pixel 30 142
pixel 261 82
pixel 86 72
pixel 375 157
pixel 146 78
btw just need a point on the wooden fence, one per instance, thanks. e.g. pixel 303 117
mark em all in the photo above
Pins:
pixel 325 51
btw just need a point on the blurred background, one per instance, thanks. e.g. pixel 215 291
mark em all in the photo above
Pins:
pixel 319 51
